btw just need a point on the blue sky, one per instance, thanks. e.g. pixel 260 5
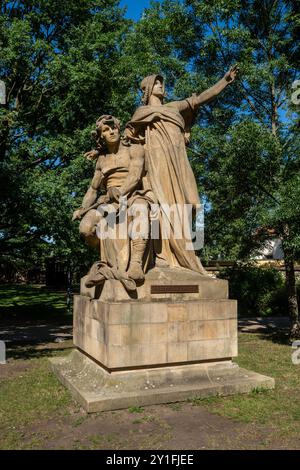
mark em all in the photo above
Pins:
pixel 134 7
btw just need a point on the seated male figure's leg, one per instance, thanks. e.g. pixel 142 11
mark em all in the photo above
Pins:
pixel 87 228
pixel 139 239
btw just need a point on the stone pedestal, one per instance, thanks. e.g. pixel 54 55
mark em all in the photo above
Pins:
pixel 174 340
pixel 145 334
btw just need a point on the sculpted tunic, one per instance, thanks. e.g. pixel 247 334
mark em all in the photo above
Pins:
pixel 114 171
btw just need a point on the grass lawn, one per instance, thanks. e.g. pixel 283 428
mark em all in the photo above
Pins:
pixel 278 409
pixel 26 302
pixel 37 412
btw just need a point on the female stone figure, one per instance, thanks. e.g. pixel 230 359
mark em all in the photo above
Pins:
pixel 163 129
pixel 120 173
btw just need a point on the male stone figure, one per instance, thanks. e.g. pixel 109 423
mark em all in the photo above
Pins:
pixel 120 172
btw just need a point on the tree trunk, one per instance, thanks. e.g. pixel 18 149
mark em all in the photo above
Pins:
pixel 292 293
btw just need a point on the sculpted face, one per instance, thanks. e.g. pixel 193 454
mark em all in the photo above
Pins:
pixel 158 89
pixel 110 133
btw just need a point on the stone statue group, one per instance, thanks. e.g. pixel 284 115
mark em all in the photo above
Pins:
pixel 139 175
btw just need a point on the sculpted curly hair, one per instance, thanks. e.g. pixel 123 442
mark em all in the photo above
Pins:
pixel 96 134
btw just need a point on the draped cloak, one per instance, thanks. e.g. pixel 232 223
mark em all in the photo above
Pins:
pixel 162 130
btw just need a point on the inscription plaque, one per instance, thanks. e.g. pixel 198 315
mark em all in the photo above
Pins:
pixel 175 289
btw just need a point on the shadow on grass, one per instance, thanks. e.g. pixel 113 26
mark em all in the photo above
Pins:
pixel 32 317
pixel 29 334
pixel 275 329
pixel 24 353
pixel 279 336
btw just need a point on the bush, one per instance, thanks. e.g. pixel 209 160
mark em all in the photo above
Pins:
pixel 259 291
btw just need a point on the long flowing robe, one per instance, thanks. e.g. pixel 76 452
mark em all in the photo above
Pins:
pixel 162 129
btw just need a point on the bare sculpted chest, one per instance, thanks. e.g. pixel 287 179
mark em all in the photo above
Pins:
pixel 111 163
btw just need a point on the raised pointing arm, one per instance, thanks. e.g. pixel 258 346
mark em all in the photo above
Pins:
pixel 211 93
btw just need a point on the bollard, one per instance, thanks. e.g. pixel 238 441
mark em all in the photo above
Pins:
pixel 2 353
pixel 2 92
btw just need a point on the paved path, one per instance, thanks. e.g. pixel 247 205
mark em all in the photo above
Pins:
pixel 255 325
pixel 35 333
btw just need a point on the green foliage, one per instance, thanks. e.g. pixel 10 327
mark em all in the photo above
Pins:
pixel 251 155
pixel 259 291
pixel 65 64
pixel 57 61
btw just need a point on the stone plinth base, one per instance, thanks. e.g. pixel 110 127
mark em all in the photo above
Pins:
pixel 178 317
pixel 145 334
pixel 173 340
pixel 97 389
